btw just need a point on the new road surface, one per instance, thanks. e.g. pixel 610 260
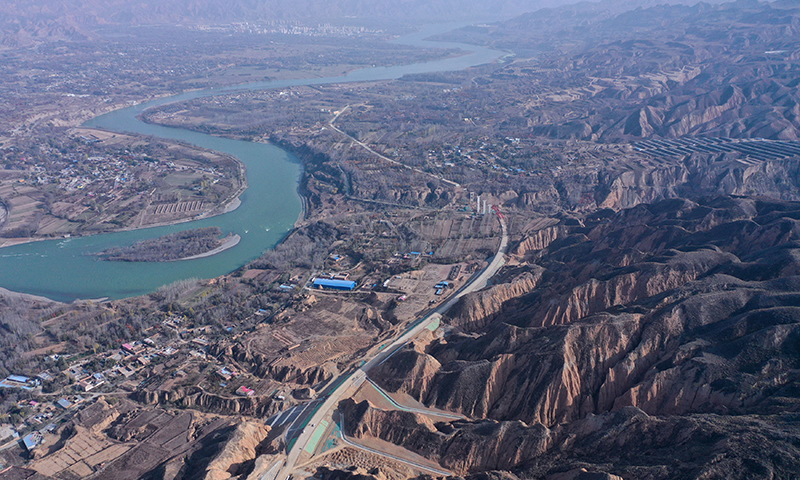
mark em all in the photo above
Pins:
pixel 308 438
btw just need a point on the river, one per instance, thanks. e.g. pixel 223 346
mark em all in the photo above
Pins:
pixel 65 269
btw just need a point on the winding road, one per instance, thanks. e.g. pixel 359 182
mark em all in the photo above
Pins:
pixel 309 437
pixel 421 411
pixel 384 157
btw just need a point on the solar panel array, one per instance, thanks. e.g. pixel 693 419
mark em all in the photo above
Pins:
pixel 755 149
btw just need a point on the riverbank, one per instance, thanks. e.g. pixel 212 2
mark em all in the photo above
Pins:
pixel 233 205
pixel 229 205
pixel 229 242
pixel 167 199
pixel 5 293
pixel 268 214
pixel 216 211
pixel 10 242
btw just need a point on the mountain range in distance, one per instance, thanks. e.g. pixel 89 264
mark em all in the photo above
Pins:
pixel 24 23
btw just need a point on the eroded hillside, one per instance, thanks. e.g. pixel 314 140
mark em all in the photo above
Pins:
pixel 677 308
pixel 640 166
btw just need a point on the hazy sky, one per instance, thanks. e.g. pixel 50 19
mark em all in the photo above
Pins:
pixel 39 17
pixel 156 11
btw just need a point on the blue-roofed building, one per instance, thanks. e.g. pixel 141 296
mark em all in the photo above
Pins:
pixel 64 403
pixel 32 440
pixel 19 381
pixel 334 284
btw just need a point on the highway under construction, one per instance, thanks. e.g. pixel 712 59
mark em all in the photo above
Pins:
pixel 307 425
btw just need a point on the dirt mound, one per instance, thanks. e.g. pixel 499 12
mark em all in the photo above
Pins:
pixel 239 452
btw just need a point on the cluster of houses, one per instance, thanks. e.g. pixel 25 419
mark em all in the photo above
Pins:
pixel 408 259
pixel 86 380
pixel 44 413
pixel 174 322
pixel 227 373
pixel 441 286
pixel 129 359
pixel 480 154
pixel 123 362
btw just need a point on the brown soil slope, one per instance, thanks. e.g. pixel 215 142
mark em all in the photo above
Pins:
pixel 680 319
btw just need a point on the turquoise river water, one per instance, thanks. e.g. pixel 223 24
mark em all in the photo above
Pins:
pixel 66 270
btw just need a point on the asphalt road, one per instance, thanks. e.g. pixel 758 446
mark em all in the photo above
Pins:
pixel 420 466
pixel 422 411
pixel 360 375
